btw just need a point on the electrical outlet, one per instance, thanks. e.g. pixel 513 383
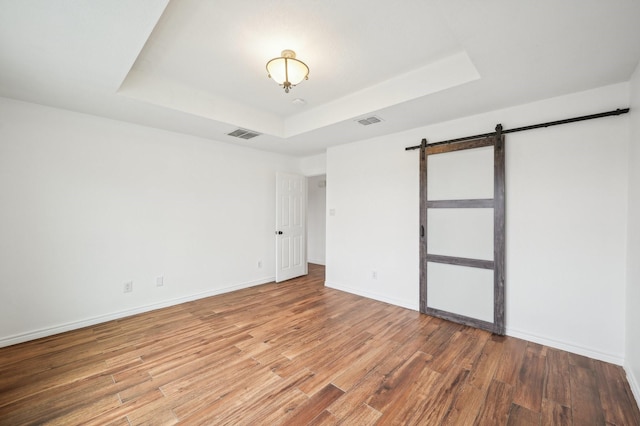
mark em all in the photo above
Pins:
pixel 128 287
pixel 259 263
pixel 159 281
pixel 374 275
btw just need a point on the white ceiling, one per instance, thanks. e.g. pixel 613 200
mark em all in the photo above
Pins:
pixel 198 67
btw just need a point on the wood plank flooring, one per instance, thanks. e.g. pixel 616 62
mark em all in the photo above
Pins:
pixel 297 353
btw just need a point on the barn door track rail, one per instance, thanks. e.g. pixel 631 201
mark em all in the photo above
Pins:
pixel 618 111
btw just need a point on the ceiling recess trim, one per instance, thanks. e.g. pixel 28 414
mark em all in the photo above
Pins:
pixel 446 73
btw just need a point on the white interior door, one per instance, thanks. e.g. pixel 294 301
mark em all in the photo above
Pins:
pixel 291 229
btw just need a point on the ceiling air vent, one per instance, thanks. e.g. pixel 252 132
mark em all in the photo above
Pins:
pixel 243 134
pixel 369 120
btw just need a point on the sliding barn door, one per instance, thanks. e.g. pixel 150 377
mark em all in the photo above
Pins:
pixel 462 211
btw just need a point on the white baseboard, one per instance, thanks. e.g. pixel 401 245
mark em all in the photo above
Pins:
pixel 633 383
pixel 617 359
pixel 74 325
pixel 316 261
pixel 379 297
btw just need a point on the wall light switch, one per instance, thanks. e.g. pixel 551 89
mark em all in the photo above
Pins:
pixel 159 281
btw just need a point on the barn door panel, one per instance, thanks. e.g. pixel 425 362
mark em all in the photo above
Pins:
pixel 462 231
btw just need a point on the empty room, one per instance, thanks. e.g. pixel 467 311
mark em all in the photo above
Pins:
pixel 320 213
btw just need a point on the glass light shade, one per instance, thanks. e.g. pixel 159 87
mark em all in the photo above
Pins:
pixel 286 70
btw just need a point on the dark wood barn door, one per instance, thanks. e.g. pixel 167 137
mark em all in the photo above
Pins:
pixel 462 241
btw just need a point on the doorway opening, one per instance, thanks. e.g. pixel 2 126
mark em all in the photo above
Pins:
pixel 316 219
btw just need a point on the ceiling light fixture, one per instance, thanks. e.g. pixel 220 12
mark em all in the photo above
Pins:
pixel 287 71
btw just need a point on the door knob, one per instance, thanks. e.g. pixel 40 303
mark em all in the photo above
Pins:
pixel 279 232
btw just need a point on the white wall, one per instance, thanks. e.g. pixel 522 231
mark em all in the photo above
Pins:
pixel 566 219
pixel 313 165
pixel 632 354
pixel 316 218
pixel 372 204
pixel 89 203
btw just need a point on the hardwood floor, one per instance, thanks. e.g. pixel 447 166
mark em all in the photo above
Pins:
pixel 298 353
